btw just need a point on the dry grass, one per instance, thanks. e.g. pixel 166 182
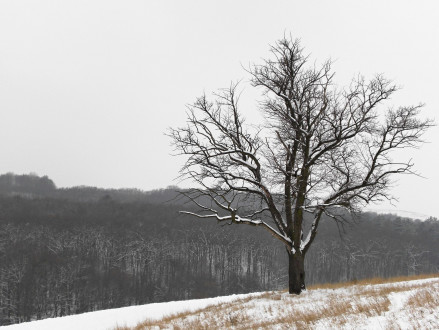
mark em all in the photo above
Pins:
pixel 232 315
pixel 358 301
pixel 421 306
pixel 203 318
pixel 423 298
pixel 372 281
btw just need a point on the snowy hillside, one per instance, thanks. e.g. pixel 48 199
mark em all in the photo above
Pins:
pixel 126 316
pixel 400 213
pixel 406 305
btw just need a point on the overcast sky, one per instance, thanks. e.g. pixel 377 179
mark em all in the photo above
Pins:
pixel 88 88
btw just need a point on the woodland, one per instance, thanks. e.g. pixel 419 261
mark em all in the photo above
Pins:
pixel 73 250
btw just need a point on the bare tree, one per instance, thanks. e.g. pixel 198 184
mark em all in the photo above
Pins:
pixel 322 150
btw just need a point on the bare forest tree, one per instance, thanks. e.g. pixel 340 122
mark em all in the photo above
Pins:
pixel 322 150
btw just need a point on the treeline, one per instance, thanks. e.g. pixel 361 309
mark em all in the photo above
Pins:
pixel 63 256
pixel 59 257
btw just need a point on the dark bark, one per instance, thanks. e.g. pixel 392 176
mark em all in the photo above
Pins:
pixel 296 273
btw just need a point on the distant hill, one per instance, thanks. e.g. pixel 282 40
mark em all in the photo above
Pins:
pixel 401 213
pixel 34 186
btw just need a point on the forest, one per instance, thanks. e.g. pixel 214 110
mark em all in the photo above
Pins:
pixel 73 250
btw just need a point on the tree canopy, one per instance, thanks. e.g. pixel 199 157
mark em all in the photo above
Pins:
pixel 322 149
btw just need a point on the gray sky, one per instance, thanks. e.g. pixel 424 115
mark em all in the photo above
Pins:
pixel 87 88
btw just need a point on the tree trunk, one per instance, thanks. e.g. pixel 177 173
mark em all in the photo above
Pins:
pixel 296 273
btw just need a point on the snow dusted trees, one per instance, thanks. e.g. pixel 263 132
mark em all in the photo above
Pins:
pixel 322 150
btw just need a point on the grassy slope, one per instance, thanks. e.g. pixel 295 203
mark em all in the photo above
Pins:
pixel 397 303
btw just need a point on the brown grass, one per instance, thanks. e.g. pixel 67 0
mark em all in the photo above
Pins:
pixel 191 320
pixel 421 306
pixel 424 298
pixel 232 315
pixel 372 281
pixel 286 312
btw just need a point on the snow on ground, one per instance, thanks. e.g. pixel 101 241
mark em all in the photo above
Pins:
pixel 400 316
pixel 125 316
pixel 354 307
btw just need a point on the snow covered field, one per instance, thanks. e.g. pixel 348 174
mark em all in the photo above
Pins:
pixel 406 305
pixel 126 316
